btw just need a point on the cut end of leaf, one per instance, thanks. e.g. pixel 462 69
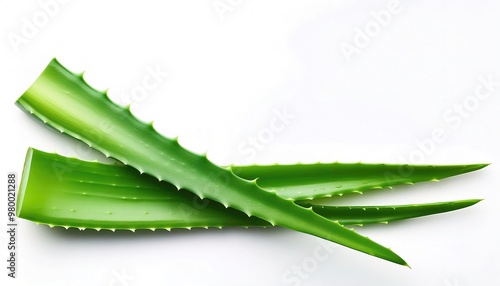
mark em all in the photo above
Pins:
pixel 24 181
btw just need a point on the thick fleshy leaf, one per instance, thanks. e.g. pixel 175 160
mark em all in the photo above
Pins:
pixel 69 192
pixel 64 101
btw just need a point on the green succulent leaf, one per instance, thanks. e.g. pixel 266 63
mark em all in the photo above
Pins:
pixel 69 192
pixel 64 101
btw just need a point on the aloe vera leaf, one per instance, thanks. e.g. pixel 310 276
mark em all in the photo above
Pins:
pixel 69 192
pixel 361 215
pixel 64 101
pixel 310 181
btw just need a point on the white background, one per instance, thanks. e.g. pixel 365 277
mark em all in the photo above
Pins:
pixel 228 72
